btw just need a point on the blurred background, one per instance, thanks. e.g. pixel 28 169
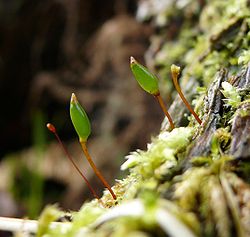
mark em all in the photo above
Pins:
pixel 49 49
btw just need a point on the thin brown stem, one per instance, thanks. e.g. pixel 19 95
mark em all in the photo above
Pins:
pixel 97 172
pixel 53 130
pixel 164 109
pixel 178 88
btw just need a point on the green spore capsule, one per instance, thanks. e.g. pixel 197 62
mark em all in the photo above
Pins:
pixel 146 79
pixel 79 119
pixel 81 123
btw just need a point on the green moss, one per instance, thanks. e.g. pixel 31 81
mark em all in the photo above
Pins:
pixel 244 57
pixel 49 214
pixel 232 96
pixel 160 152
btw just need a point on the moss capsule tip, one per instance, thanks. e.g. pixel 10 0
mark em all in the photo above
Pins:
pixel 132 60
pixel 175 69
pixel 73 98
pixel 51 127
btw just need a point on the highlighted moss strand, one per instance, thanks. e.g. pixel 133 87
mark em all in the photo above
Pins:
pixel 175 71
pixel 52 129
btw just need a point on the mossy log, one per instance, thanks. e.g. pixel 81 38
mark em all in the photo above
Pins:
pixel 193 180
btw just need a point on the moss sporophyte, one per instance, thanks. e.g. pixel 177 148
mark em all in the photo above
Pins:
pixel 149 83
pixel 80 120
pixel 81 124
pixel 175 71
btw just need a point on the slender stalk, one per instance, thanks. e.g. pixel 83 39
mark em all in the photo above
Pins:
pixel 164 109
pixel 53 130
pixel 149 83
pixel 97 172
pixel 175 73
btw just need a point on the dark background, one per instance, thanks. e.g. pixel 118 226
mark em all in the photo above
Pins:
pixel 38 36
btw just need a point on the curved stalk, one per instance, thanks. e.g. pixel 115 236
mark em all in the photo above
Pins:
pixel 164 109
pixel 175 73
pixel 96 170
pixel 52 129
